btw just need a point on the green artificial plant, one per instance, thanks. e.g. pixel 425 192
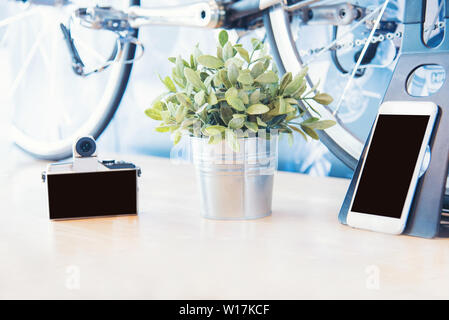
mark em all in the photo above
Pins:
pixel 235 94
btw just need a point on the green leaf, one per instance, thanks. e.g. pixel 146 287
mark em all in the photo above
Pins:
pixel 300 91
pixel 226 113
pixel 299 131
pixel 177 135
pixel 257 44
pixel 231 92
pixel 286 79
pixel 236 103
pixel 210 61
pixel 192 62
pixel 180 114
pixel 187 123
pixel 257 108
pixel 216 139
pixel 212 99
pixel 260 122
pixel 245 77
pixel 197 52
pixel 171 110
pixel 168 83
pixel 159 106
pixel 208 81
pixel 223 37
pixel 267 77
pixel 276 120
pixel 217 79
pixel 163 128
pixel 180 81
pixel 313 89
pixel 323 98
pixel 194 79
pixel 228 51
pixel 310 132
pixel 202 108
pixel 239 115
pixel 212 110
pixel 223 75
pixel 282 106
pixel 236 123
pixel 179 69
pixel 312 108
pixel 153 114
pixel 233 73
pixel 200 97
pixel 320 125
pixel 243 95
pixel 274 66
pixel 233 100
pixel 219 52
pixel 293 86
pixel 213 130
pixel 243 53
pixel 238 62
pixel 292 101
pixel 232 140
pixel 257 69
pixel 255 97
pixel 252 126
pixel 310 120
pixel 303 72
pixel 184 100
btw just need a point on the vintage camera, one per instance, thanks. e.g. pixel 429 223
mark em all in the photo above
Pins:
pixel 88 187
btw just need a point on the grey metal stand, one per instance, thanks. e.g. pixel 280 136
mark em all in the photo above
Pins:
pixel 425 215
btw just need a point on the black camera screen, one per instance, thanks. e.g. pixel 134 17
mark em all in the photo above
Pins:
pixel 92 194
pixel 389 165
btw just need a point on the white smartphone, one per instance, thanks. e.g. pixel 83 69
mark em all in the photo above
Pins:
pixel 390 170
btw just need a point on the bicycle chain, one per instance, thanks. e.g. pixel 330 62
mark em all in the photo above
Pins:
pixel 361 42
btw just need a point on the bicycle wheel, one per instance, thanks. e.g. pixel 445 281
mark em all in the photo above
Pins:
pixel 49 106
pixel 331 52
pixel 283 32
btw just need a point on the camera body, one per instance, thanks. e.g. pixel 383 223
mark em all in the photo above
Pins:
pixel 88 187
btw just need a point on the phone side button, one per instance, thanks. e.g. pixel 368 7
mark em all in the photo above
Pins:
pixel 425 162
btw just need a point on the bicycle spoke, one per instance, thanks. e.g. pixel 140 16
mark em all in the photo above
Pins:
pixel 5 37
pixel 26 63
pixel 49 104
pixel 428 32
pixel 98 56
pixel 44 56
pixel 359 60
pixel 9 20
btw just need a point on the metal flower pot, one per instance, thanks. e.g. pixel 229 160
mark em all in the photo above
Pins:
pixel 235 185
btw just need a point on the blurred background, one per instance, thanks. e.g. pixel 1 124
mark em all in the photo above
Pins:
pixel 38 87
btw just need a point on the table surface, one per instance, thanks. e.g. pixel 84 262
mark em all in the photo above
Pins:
pixel 168 251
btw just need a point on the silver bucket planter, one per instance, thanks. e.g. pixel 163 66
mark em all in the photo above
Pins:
pixel 235 185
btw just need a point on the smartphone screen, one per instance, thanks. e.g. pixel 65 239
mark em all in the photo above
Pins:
pixel 389 165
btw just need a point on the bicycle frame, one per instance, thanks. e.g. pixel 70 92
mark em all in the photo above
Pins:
pixel 209 14
pixel 203 14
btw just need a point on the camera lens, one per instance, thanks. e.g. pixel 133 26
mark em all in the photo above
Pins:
pixel 85 147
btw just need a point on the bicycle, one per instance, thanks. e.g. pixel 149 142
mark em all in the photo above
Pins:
pixel 352 37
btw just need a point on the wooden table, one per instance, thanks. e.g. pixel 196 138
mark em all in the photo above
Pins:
pixel 168 251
